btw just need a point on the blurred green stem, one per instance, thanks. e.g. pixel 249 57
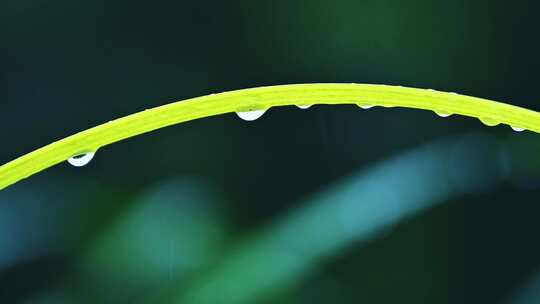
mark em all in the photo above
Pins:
pixel 354 209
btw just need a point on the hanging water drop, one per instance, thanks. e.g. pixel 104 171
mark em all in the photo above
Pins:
pixel 365 106
pixel 517 129
pixel 303 107
pixel 443 113
pixel 250 115
pixel 81 159
pixel 489 122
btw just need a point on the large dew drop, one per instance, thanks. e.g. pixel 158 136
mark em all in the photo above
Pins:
pixel 365 106
pixel 303 107
pixel 443 113
pixel 489 122
pixel 81 159
pixel 517 129
pixel 250 115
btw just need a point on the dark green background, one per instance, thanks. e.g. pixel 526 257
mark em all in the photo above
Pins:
pixel 66 66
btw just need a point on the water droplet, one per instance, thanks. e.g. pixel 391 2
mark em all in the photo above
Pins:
pixel 303 107
pixel 443 113
pixel 365 106
pixel 517 129
pixel 250 115
pixel 81 159
pixel 489 122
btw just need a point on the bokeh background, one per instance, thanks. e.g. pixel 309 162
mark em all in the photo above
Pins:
pixel 333 204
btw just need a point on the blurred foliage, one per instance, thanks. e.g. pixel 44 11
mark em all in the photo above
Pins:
pixel 219 188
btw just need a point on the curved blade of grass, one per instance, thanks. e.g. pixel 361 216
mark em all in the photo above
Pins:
pixel 260 99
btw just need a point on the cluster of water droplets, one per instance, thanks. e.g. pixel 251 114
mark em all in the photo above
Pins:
pixel 442 113
pixel 83 159
pixel 255 114
pixel 491 123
